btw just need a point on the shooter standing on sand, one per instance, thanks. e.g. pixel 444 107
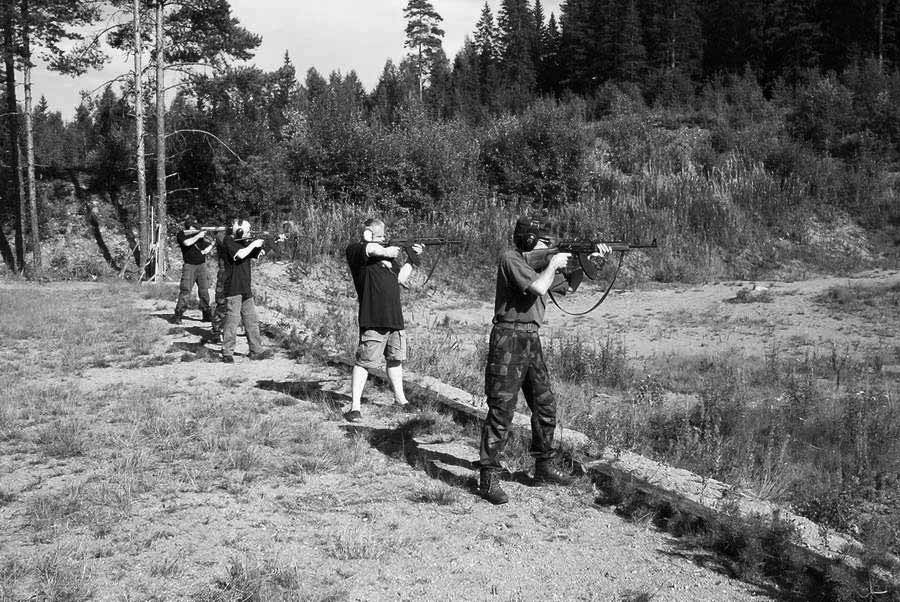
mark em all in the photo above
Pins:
pixel 239 253
pixel 194 248
pixel 516 361
pixel 221 304
pixel 377 276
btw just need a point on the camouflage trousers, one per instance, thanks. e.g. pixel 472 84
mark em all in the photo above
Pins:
pixel 516 361
pixel 221 303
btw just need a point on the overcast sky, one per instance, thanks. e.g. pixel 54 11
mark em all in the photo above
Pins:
pixel 326 34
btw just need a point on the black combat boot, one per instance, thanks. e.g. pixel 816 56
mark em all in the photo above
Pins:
pixel 489 487
pixel 545 472
pixel 176 319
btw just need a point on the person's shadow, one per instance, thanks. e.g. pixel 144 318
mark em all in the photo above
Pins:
pixel 307 390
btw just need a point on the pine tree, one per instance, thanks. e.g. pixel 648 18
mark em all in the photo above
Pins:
pixel 423 36
pixel 673 35
pixel 580 55
pixel 621 42
pixel 388 96
pixel 465 83
pixel 517 43
pixel 488 60
pixel 539 35
pixel 550 75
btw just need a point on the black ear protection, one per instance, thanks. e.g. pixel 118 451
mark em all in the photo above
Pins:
pixel 525 236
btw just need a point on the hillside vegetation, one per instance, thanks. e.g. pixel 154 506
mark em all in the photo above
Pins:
pixel 735 184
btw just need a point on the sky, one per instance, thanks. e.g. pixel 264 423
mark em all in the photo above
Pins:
pixel 329 35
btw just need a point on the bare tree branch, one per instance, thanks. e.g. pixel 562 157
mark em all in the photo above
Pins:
pixel 211 135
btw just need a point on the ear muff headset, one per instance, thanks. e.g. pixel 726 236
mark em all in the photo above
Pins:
pixel 527 232
pixel 368 235
pixel 241 229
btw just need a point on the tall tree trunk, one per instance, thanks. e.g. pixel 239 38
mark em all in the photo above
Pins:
pixel 12 122
pixel 143 213
pixel 880 33
pixel 162 236
pixel 29 144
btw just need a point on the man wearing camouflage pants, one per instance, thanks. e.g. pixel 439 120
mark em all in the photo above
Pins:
pixel 516 361
pixel 221 306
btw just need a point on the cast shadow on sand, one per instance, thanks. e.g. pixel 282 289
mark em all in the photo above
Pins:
pixel 307 390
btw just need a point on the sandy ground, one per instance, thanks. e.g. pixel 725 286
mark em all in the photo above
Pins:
pixel 549 543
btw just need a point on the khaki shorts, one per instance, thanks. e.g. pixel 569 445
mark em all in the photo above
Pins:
pixel 377 342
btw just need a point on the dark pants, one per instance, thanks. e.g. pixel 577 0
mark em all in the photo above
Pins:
pixel 516 361
pixel 221 301
pixel 193 274
pixel 241 311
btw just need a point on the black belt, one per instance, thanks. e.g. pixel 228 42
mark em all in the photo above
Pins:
pixel 521 326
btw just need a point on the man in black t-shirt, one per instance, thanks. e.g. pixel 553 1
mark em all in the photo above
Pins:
pixel 194 248
pixel 239 251
pixel 377 276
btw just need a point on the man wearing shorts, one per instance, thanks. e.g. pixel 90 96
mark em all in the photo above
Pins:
pixel 377 275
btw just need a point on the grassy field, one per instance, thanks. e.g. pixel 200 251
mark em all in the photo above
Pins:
pixel 819 431
pixel 131 470
pixel 100 471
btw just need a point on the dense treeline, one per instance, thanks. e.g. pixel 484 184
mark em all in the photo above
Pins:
pixel 728 124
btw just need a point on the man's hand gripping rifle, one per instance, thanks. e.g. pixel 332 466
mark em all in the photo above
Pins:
pixel 581 251
pixel 580 261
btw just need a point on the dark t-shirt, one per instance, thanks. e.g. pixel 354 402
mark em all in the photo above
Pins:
pixel 377 288
pixel 194 253
pixel 513 302
pixel 237 271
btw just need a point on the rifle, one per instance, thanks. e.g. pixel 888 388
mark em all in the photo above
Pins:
pixel 193 231
pixel 581 251
pixel 271 241
pixel 425 241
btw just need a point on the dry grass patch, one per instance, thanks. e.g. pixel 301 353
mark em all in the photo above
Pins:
pixel 63 438
pixel 436 493
pixel 358 544
pixel 249 578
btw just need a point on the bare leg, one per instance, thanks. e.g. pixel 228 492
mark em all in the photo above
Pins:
pixel 357 383
pixel 395 377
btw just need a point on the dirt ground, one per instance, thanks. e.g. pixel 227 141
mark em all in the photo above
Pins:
pixel 378 528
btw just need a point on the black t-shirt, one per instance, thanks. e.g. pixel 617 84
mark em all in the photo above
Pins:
pixel 194 253
pixel 377 287
pixel 237 272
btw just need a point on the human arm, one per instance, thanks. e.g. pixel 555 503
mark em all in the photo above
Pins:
pixel 407 269
pixel 545 278
pixel 244 252
pixel 188 241
pixel 378 251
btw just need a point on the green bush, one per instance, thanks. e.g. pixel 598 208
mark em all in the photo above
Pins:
pixel 541 155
